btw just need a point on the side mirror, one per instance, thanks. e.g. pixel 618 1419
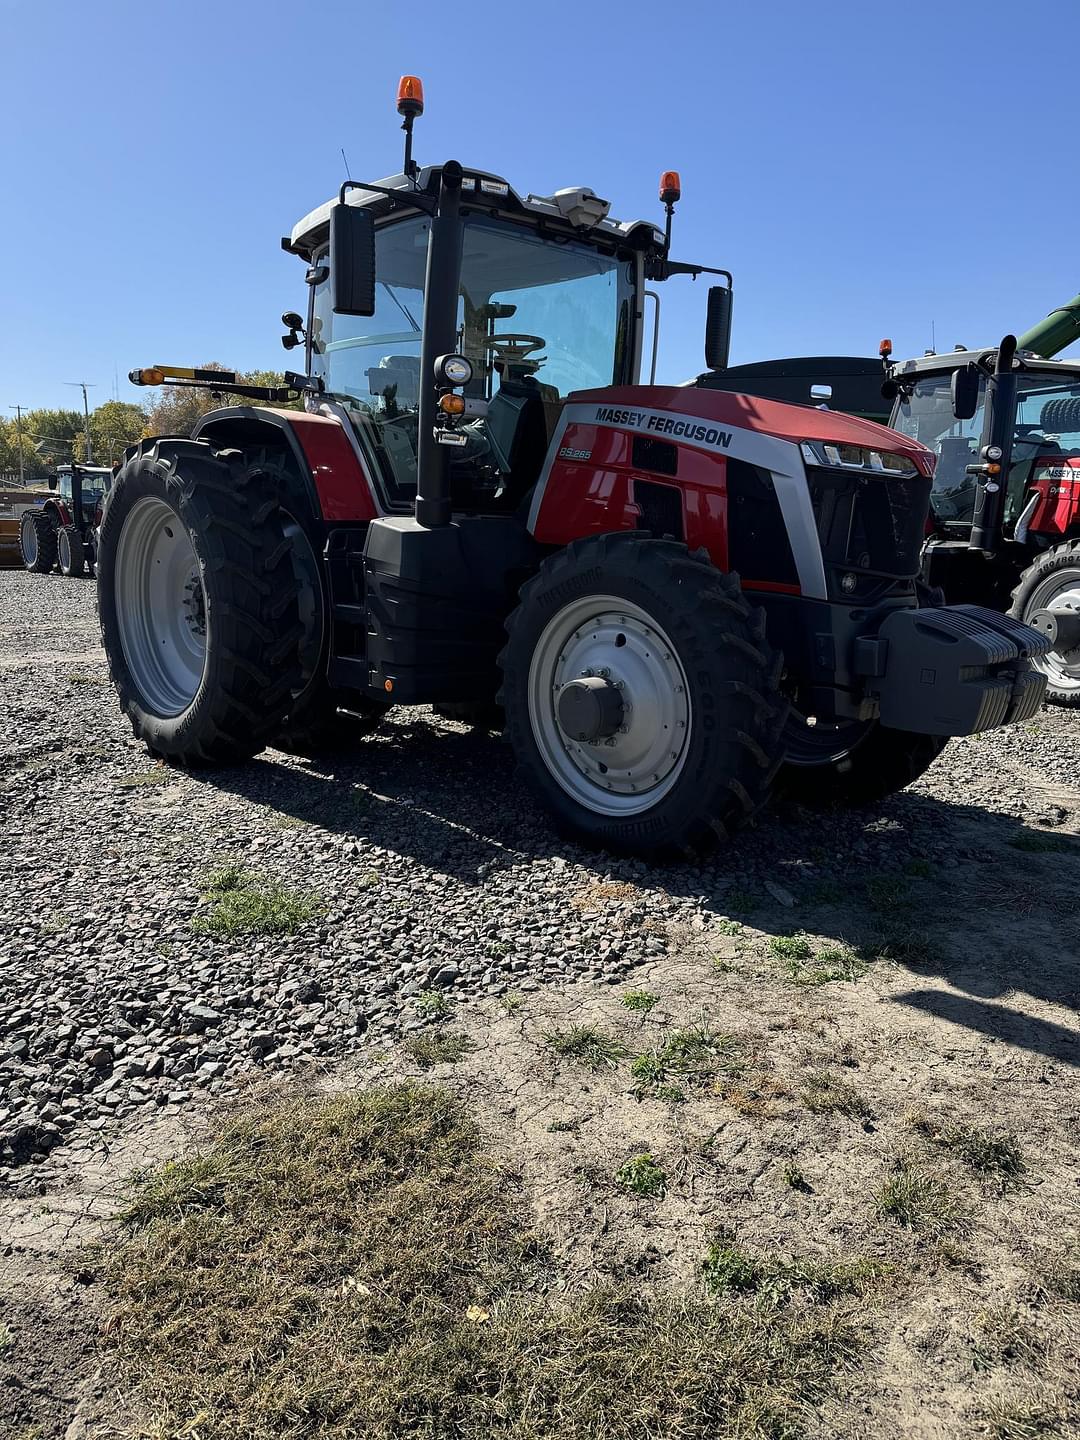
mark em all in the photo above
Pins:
pixel 54 481
pixel 292 321
pixel 718 328
pixel 964 389
pixel 352 260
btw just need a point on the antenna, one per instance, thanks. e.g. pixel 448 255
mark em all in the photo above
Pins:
pixel 345 162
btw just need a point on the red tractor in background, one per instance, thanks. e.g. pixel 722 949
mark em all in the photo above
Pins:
pixel 680 599
pixel 62 531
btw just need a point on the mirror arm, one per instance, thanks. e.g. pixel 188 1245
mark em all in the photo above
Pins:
pixel 664 269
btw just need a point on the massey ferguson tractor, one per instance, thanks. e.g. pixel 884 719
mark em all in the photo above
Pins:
pixel 1005 506
pixel 680 598
pixel 62 531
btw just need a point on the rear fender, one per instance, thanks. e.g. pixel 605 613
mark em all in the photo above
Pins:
pixel 335 483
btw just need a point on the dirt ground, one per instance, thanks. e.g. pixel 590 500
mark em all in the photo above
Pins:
pixel 953 1011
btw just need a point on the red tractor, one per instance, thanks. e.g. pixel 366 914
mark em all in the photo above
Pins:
pixel 62 531
pixel 679 598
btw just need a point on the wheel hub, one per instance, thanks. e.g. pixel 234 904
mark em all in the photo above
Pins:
pixel 609 705
pixel 590 708
pixel 1054 608
pixel 194 605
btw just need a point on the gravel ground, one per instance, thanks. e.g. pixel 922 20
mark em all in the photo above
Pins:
pixel 424 867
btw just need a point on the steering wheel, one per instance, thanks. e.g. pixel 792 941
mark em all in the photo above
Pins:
pixel 511 349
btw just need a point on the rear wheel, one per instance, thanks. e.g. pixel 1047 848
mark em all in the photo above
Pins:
pixel 37 541
pixel 853 762
pixel 69 551
pixel 198 600
pixel 640 695
pixel 1052 582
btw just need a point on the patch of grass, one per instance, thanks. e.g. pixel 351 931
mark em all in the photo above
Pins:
pixel 832 962
pixel 823 1093
pixel 245 904
pixel 1060 1274
pixel 1012 1417
pixel 742 901
pixel 640 1001
pixel 724 926
pixel 603 890
pixel 78 677
pixel 987 1151
pixel 887 892
pixel 918 1199
pixel 160 775
pixel 756 1094
pixel 901 947
pixel 512 1001
pixel 728 1268
pixel 825 892
pixel 588 1045
pixel 792 948
pixel 673 1094
pixel 1003 1337
pixel 362 1266
pixel 695 1053
pixel 1040 842
pixel 642 1176
pixel 444 1047
pixel 433 1004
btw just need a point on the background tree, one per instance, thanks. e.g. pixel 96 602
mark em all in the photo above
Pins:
pixel 113 426
pixel 50 439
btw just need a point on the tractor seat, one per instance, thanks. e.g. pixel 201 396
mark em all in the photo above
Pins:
pixel 517 431
pixel 1061 415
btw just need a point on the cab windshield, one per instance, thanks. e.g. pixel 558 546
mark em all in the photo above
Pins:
pixel 94 484
pixel 1047 423
pixel 547 314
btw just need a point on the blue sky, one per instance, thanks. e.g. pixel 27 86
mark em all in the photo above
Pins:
pixel 843 160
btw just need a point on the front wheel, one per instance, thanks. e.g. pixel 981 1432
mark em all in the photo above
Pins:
pixel 641 697
pixel 198 600
pixel 69 551
pixel 1052 582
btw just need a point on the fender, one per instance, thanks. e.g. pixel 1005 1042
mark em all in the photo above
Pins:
pixel 338 488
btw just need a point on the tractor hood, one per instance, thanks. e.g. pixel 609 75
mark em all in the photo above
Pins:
pixel 643 407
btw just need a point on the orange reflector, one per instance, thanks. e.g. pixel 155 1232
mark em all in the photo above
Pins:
pixel 388 685
pixel 410 95
pixel 993 469
pixel 885 348
pixel 670 187
pixel 152 376
pixel 452 404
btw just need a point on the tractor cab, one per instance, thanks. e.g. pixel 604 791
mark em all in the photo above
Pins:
pixel 82 488
pixel 549 302
pixel 1045 431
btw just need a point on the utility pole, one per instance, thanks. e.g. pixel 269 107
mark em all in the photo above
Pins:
pixel 82 385
pixel 18 432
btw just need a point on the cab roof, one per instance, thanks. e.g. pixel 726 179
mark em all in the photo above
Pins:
pixel 480 187
pixel 951 359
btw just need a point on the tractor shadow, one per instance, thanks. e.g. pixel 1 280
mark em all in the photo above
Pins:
pixel 993 912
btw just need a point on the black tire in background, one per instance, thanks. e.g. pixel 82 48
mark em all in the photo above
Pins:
pixel 252 633
pixel 734 709
pixel 38 548
pixel 69 551
pixel 1057 567
pixel 861 764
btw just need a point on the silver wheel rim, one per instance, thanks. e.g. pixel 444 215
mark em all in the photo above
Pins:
pixel 633 770
pixel 1059 591
pixel 63 550
pixel 160 607
pixel 28 534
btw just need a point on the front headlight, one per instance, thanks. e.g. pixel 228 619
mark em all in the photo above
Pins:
pixel 855 457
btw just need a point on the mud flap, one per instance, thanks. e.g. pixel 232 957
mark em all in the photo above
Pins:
pixel 953 670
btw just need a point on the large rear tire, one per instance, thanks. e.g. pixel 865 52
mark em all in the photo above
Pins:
pixel 1052 582
pixel 641 697
pixel 69 551
pixel 37 541
pixel 198 600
